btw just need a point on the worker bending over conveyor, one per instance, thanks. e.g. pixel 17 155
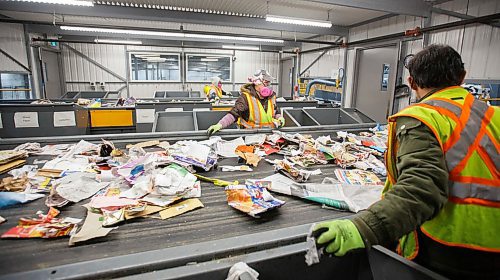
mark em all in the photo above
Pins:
pixel 255 107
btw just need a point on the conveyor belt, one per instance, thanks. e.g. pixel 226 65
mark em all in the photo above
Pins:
pixel 216 221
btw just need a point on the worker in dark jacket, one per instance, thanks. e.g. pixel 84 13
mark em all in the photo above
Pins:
pixel 255 108
pixel 441 202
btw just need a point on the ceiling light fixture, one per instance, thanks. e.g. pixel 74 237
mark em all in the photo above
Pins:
pixel 123 42
pixel 248 48
pixel 61 2
pixel 179 9
pixel 170 34
pixel 209 59
pixel 299 21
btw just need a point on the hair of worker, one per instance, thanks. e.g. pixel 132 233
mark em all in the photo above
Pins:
pixel 437 66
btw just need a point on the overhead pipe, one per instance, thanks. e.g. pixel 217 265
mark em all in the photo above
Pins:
pixel 318 81
pixel 149 45
pixel 484 19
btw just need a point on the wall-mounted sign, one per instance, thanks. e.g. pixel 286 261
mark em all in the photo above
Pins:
pixel 385 77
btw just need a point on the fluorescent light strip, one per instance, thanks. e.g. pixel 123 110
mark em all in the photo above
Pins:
pixel 249 48
pixel 124 42
pixel 177 9
pixel 209 59
pixel 169 34
pixel 298 21
pixel 61 2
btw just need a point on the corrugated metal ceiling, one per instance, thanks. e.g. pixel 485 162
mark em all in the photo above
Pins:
pixel 339 15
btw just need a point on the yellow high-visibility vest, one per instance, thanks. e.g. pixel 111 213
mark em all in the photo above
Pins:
pixel 258 117
pixel 468 131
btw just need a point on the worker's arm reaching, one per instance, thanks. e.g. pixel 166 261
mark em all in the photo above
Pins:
pixel 419 193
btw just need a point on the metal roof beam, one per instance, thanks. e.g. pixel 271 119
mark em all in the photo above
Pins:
pixel 168 16
pixel 407 7
pixel 458 15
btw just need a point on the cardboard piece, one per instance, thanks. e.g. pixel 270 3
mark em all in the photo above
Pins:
pixel 91 228
pixel 180 208
pixel 144 144
pixel 50 173
pixel 247 153
pixel 11 165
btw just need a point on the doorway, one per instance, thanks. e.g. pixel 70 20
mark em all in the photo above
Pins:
pixel 376 70
pixel 51 73
pixel 286 78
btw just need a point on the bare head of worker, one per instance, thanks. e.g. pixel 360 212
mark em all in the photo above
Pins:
pixel 262 81
pixel 216 81
pixel 435 67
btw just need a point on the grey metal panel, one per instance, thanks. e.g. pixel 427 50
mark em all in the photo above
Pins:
pixel 414 8
pixel 13 42
pixel 45 115
pixel 93 94
pixel 298 117
pixel 162 106
pixel 330 116
pixel 172 16
pixel 385 264
pixel 174 121
pixel 194 94
pixel 204 119
pixel 357 115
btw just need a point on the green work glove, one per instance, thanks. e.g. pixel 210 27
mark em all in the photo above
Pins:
pixel 214 128
pixel 282 122
pixel 342 236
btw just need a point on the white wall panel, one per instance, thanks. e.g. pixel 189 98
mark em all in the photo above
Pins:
pixel 478 44
pixel 13 42
pixel 115 58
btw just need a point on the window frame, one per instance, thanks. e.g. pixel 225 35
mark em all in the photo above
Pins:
pixel 186 69
pixel 29 80
pixel 131 72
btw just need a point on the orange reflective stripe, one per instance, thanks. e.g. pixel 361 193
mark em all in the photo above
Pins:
pixel 415 252
pixel 468 246
pixel 434 131
pixel 460 124
pixel 486 120
pixel 458 128
pixel 494 141
pixel 477 180
pixel 475 201
pixel 488 162
pixel 441 110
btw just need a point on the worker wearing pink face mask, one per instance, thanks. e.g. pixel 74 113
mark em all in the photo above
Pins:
pixel 255 108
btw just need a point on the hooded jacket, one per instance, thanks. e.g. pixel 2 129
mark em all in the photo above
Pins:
pixel 241 108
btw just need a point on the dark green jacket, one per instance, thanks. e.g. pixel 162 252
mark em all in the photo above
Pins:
pixel 420 192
